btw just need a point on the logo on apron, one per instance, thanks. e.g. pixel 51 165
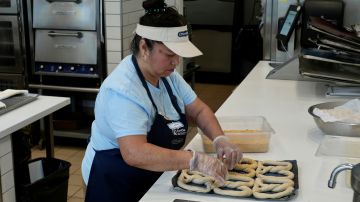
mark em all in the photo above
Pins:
pixel 177 141
pixel 177 128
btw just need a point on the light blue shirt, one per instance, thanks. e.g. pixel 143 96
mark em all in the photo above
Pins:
pixel 123 108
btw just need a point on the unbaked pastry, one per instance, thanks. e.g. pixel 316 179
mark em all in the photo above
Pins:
pixel 236 185
pixel 279 167
pixel 246 167
pixel 195 181
pixel 247 163
pixel 234 177
pixel 272 187
pixel 240 191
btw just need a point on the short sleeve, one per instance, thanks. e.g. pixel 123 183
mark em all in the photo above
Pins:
pixel 124 116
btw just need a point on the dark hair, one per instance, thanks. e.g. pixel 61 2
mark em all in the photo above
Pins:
pixel 157 14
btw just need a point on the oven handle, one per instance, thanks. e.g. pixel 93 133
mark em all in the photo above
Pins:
pixel 64 88
pixel 75 1
pixel 75 34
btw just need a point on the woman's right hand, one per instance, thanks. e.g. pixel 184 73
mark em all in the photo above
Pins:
pixel 210 166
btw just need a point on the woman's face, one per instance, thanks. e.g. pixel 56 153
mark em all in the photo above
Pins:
pixel 162 61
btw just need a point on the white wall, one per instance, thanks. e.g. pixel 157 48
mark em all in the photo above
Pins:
pixel 121 17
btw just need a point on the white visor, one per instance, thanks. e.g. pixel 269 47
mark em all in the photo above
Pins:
pixel 175 38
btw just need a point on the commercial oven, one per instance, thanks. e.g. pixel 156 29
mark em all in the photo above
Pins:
pixel 12 45
pixel 10 49
pixel 72 14
pixel 8 6
pixel 67 42
pixel 73 53
pixel 68 58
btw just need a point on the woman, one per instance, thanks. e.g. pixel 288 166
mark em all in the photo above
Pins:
pixel 140 115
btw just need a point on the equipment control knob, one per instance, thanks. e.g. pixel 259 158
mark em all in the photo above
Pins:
pixel 72 68
pixel 91 69
pixel 41 66
pixel 60 67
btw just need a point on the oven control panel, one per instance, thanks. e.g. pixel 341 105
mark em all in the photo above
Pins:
pixel 63 69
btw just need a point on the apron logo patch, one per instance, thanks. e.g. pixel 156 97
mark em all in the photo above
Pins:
pixel 177 128
pixel 177 141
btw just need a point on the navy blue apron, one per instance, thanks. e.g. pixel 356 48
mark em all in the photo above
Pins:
pixel 111 179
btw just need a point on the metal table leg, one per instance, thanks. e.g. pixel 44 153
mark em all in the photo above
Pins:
pixel 49 136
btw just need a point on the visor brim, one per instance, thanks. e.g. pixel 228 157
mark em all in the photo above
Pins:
pixel 184 49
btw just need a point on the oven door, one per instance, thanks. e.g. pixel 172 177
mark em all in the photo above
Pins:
pixel 8 7
pixel 12 81
pixel 76 47
pixel 60 14
pixel 10 50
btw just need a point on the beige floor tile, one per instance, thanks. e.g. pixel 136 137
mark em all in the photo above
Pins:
pixel 80 194
pixel 75 180
pixel 76 158
pixel 78 171
pixel 37 154
pixel 74 199
pixel 213 95
pixel 72 189
pixel 74 168
pixel 66 152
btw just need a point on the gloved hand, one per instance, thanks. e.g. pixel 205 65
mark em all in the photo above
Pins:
pixel 209 165
pixel 227 152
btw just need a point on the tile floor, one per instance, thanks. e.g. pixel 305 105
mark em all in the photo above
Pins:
pixel 212 94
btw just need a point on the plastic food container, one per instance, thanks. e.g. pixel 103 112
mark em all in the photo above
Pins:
pixel 249 133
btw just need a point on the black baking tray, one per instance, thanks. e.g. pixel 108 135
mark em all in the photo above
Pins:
pixel 286 198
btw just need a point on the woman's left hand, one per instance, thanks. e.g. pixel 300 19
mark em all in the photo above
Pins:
pixel 227 152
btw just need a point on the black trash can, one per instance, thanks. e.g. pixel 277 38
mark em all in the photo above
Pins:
pixel 53 186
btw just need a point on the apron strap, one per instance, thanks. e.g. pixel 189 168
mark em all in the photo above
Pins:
pixel 167 86
pixel 171 95
pixel 141 76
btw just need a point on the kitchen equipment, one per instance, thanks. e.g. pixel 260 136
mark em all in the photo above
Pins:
pixel 334 128
pixel 10 51
pixel 355 178
pixel 67 41
pixel 8 6
pixel 75 14
pixel 12 45
pixel 249 133
pixel 65 46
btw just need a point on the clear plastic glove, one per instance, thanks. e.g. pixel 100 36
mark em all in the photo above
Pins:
pixel 227 152
pixel 209 165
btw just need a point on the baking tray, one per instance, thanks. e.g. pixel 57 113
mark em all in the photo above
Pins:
pixel 286 198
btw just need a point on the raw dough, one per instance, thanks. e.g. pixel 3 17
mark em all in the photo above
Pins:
pixel 195 181
pixel 272 187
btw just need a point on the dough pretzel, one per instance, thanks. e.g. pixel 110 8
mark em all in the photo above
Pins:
pixel 280 167
pixel 202 183
pixel 236 185
pixel 248 172
pixel 239 180
pixel 246 163
pixel 272 187
pixel 242 191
